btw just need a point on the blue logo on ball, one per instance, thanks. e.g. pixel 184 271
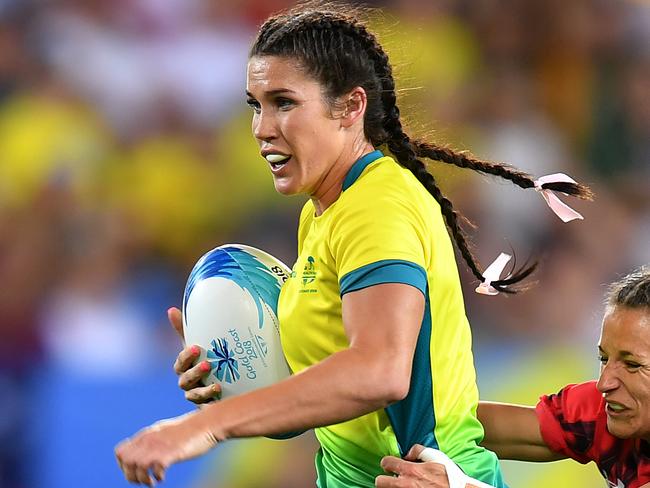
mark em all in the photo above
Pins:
pixel 222 358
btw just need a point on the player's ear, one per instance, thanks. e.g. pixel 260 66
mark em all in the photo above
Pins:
pixel 354 106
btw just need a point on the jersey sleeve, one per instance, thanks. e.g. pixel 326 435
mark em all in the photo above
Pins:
pixel 568 420
pixel 379 240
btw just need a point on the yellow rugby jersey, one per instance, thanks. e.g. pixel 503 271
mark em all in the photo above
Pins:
pixel 385 227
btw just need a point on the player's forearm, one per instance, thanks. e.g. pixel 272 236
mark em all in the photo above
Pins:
pixel 344 386
pixel 523 452
pixel 512 432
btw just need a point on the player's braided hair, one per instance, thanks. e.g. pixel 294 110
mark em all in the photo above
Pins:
pixel 633 290
pixel 339 51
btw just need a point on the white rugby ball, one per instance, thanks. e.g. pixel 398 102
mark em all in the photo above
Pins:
pixel 230 310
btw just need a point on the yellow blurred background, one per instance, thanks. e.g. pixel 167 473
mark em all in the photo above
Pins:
pixel 126 153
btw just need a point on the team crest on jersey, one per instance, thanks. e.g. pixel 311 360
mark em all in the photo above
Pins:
pixel 309 271
pixel 307 276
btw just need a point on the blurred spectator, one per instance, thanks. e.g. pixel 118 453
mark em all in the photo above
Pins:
pixel 135 57
pixel 15 56
pixel 80 330
pixel 48 138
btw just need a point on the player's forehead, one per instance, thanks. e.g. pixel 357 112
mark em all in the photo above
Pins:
pixel 626 331
pixel 275 73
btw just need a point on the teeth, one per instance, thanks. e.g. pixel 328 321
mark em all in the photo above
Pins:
pixel 615 407
pixel 276 158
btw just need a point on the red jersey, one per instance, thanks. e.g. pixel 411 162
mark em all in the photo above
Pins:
pixel 573 422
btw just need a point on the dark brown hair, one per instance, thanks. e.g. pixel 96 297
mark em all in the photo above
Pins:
pixel 338 50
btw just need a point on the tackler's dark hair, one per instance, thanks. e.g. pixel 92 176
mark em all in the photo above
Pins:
pixel 633 290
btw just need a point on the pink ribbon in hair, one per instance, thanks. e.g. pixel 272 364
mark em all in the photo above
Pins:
pixel 561 209
pixel 493 273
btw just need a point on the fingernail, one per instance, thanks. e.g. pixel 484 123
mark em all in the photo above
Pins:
pixel 205 366
pixel 195 350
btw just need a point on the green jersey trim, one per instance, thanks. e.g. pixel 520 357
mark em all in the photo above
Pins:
pixel 385 271
pixel 358 167
pixel 414 418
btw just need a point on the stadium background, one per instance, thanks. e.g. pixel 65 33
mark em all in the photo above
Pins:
pixel 125 153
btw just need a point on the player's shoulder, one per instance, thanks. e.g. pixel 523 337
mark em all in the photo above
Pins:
pixel 384 171
pixel 382 188
pixel 586 391
pixel 577 402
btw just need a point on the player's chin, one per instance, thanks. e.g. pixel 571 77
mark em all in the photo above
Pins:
pixel 623 429
pixel 285 186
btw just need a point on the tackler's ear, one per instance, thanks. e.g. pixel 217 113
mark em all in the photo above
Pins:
pixel 354 106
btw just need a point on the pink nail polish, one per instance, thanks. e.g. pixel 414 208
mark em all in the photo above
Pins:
pixel 205 366
pixel 195 350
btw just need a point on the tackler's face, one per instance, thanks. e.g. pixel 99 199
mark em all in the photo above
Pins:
pixel 625 372
pixel 292 123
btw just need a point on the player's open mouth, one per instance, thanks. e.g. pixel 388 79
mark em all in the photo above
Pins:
pixel 615 408
pixel 277 161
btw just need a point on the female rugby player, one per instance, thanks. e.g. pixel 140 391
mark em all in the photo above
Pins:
pixel 375 304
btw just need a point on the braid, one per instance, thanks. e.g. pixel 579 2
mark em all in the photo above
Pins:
pixel 505 171
pixel 341 53
pixel 404 150
pixel 446 155
pixel 450 215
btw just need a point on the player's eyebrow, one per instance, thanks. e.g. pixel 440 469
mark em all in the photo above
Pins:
pixel 621 353
pixel 277 91
pixel 628 354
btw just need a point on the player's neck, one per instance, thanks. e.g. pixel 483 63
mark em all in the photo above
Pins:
pixel 331 186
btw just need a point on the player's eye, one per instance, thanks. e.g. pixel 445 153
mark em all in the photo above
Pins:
pixel 602 359
pixel 254 104
pixel 632 365
pixel 284 103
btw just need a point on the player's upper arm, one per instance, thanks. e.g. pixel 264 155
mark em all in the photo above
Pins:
pixel 382 322
pixel 381 248
pixel 512 432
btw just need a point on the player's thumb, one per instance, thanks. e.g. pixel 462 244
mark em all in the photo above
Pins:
pixel 176 319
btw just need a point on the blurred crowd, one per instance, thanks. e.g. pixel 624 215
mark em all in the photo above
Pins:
pixel 125 154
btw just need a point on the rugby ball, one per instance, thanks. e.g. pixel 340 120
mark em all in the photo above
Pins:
pixel 230 310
